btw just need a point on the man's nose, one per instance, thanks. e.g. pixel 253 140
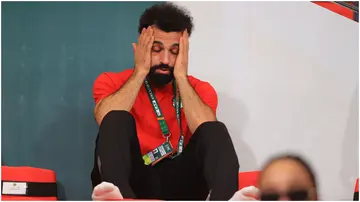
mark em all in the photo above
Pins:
pixel 164 58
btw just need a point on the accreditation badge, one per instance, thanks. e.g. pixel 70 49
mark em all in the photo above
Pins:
pixel 159 153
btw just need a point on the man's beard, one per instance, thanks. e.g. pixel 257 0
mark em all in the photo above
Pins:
pixel 160 79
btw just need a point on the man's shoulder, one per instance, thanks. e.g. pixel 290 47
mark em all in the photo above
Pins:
pixel 196 82
pixel 206 92
pixel 202 87
pixel 116 76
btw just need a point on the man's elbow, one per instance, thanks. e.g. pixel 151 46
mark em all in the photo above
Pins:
pixel 98 120
pixel 210 113
pixel 97 113
pixel 207 116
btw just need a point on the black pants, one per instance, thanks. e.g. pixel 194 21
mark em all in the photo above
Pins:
pixel 208 162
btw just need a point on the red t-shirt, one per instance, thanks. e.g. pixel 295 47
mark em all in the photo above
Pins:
pixel 147 126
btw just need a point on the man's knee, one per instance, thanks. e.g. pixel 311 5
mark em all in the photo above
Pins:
pixel 214 132
pixel 116 117
pixel 214 135
pixel 117 122
pixel 212 128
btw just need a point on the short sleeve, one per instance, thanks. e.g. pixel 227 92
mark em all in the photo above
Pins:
pixel 103 87
pixel 208 95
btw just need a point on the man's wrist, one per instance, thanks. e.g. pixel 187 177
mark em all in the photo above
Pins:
pixel 181 78
pixel 140 74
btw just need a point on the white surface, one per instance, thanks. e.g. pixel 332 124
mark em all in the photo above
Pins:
pixel 287 78
pixel 14 188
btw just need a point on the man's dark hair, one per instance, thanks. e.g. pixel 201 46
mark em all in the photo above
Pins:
pixel 168 17
pixel 297 159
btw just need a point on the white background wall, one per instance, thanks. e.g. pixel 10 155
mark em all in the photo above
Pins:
pixel 286 74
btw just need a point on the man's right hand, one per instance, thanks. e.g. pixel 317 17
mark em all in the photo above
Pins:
pixel 142 51
pixel 124 97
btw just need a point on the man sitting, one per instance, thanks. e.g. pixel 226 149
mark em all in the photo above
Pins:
pixel 159 137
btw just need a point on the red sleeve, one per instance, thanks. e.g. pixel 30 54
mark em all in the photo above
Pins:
pixel 208 95
pixel 105 85
pixel 108 83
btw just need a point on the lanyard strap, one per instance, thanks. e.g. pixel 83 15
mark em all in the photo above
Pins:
pixel 160 117
pixel 177 100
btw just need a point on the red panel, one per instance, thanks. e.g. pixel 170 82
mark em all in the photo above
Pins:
pixel 336 8
pixel 248 179
pixel 27 174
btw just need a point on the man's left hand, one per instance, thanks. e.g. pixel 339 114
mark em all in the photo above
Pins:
pixel 181 65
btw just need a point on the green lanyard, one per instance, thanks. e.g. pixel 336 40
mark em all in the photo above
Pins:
pixel 160 117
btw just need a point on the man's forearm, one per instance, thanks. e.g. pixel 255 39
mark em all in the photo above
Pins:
pixel 196 111
pixel 123 99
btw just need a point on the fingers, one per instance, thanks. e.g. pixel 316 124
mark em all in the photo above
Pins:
pixel 184 43
pixel 134 46
pixel 141 37
pixel 145 41
pixel 181 46
pixel 186 37
pixel 145 36
pixel 149 37
pixel 150 43
pixel 142 49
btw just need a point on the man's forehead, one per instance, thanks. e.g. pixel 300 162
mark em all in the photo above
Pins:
pixel 166 38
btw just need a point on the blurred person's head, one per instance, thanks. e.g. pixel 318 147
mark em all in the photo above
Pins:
pixel 287 177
